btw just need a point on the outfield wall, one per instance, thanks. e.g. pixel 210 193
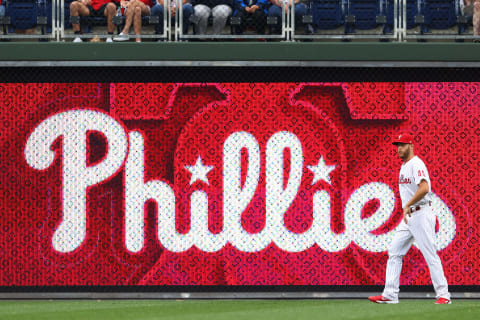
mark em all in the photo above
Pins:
pixel 267 182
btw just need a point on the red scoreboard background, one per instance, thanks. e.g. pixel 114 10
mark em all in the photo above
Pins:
pixel 128 184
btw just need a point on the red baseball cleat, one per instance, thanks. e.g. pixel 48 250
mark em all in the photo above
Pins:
pixel 443 301
pixel 382 299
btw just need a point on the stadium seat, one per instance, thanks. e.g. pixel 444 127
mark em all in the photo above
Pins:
pixel 364 15
pixel 328 14
pixel 45 15
pixel 439 14
pixel 414 13
pixel 249 22
pixel 66 10
pixel 387 9
pixel 23 14
pixel 26 14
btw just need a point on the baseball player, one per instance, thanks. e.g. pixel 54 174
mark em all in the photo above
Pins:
pixel 418 224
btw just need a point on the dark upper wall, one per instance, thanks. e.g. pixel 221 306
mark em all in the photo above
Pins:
pixel 293 52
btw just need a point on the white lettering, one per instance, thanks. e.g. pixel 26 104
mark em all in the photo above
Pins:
pixel 279 200
pixel 77 177
pixel 204 239
pixel 236 198
pixel 325 237
pixel 360 229
pixel 137 192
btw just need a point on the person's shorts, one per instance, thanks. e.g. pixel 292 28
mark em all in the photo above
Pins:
pixel 98 13
pixel 468 10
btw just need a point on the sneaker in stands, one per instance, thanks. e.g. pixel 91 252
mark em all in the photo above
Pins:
pixel 121 37
pixel 382 299
pixel 77 39
pixel 443 301
pixel 109 39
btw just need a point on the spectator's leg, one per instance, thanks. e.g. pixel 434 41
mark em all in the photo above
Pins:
pixel 239 29
pixel 2 14
pixel 109 12
pixel 157 10
pixel 137 21
pixel 220 15
pixel 276 11
pixel 202 12
pixel 129 16
pixel 259 20
pixel 78 9
pixel 476 18
pixel 187 12
pixel 141 9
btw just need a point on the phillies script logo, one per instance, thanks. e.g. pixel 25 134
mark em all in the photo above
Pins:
pixel 126 149
pixel 247 175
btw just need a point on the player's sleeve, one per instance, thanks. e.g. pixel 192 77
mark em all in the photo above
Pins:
pixel 420 173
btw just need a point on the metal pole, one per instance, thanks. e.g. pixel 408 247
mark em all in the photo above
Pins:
pixel 62 19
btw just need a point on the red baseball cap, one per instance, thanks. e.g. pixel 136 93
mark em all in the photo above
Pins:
pixel 403 138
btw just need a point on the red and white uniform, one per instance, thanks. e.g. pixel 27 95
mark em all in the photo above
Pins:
pixel 420 227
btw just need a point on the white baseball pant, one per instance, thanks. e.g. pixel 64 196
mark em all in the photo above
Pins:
pixel 420 227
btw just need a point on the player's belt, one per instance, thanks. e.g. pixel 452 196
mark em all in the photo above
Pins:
pixel 413 209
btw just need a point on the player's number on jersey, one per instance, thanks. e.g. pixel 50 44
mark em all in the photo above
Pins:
pixel 421 173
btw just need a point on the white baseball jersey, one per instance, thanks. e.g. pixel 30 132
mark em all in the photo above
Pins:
pixel 412 173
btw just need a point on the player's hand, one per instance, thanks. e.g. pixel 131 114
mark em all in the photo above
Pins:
pixel 85 2
pixel 406 212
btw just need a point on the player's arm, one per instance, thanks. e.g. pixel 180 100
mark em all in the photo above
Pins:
pixel 422 190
